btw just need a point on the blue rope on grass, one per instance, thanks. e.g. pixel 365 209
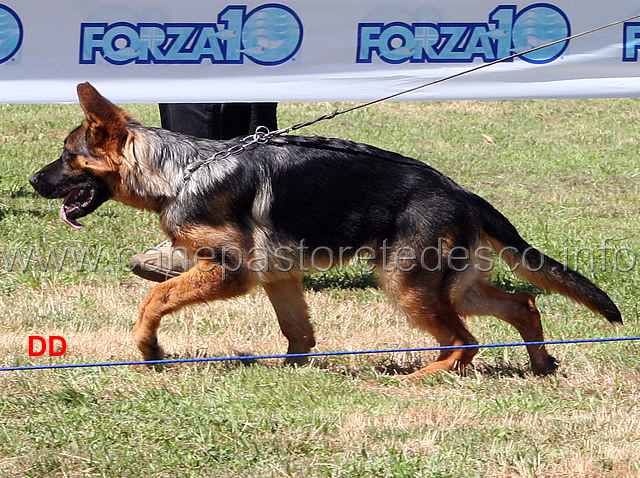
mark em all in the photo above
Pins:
pixel 315 354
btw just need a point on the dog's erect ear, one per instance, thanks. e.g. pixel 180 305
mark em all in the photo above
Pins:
pixel 100 112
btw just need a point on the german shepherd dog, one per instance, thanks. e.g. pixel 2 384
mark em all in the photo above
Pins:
pixel 267 215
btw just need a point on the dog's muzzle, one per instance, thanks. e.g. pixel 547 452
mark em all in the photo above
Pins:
pixel 83 193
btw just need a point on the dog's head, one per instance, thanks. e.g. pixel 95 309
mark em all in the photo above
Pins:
pixel 87 172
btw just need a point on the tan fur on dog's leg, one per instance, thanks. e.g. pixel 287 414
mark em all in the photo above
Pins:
pixel 518 310
pixel 448 330
pixel 287 298
pixel 199 284
pixel 430 311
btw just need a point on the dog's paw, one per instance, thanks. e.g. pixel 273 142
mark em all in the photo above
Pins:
pixel 549 367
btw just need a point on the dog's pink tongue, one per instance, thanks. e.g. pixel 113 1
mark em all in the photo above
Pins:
pixel 73 223
pixel 71 197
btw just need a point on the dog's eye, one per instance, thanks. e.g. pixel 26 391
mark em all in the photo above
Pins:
pixel 70 155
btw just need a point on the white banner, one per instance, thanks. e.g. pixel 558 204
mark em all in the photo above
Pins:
pixel 304 50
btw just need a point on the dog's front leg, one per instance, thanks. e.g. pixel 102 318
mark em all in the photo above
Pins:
pixel 205 281
pixel 287 298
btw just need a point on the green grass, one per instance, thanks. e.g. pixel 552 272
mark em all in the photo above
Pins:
pixel 567 175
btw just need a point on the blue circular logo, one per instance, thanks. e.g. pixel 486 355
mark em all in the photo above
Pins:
pixel 538 25
pixel 10 33
pixel 272 34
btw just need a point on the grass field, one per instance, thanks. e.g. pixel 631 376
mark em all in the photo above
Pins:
pixel 565 172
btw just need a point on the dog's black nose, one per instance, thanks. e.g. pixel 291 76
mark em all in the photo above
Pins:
pixel 33 180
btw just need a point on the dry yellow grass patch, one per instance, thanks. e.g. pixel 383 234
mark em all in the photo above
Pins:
pixel 96 322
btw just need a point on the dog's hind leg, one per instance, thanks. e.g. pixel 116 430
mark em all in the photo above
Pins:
pixel 207 281
pixel 287 298
pixel 519 310
pixel 449 331
pixel 421 298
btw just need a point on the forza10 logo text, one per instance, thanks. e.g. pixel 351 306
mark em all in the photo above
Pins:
pixel 508 31
pixel 268 35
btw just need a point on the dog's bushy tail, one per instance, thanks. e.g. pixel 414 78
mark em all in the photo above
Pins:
pixel 539 269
